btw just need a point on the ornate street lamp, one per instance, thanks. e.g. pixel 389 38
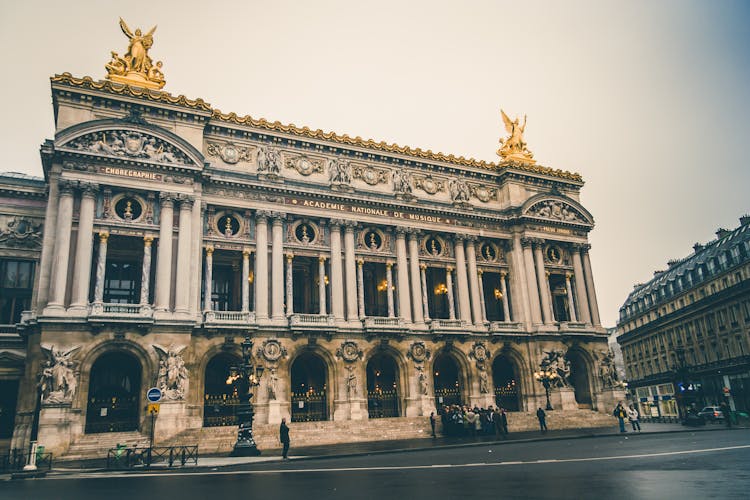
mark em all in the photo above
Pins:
pixel 244 378
pixel 546 378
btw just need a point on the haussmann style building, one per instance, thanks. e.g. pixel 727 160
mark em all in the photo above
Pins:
pixel 684 334
pixel 378 283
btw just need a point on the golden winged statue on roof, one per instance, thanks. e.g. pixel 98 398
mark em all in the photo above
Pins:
pixel 513 148
pixel 136 67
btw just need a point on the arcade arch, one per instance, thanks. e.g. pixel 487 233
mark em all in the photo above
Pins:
pixel 309 390
pixel 382 386
pixel 506 383
pixel 114 393
pixel 219 398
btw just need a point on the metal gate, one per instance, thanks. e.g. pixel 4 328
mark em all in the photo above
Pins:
pixel 112 414
pixel 507 397
pixel 309 406
pixel 382 404
pixel 220 410
pixel 447 397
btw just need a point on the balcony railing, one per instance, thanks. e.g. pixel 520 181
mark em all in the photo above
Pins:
pixel 229 318
pixel 452 325
pixel 382 324
pixel 503 326
pixel 311 320
pixel 121 312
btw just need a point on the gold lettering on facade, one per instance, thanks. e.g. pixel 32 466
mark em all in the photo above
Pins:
pixel 127 172
pixel 378 212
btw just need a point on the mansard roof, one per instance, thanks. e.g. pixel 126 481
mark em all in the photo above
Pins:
pixel 712 259
pixel 200 105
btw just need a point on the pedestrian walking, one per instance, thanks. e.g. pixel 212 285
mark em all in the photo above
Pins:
pixel 284 438
pixel 620 413
pixel 542 419
pixel 432 423
pixel 726 412
pixel 634 416
pixel 504 421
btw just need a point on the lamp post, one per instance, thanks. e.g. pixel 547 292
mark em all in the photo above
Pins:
pixel 682 385
pixel 546 378
pixel 244 378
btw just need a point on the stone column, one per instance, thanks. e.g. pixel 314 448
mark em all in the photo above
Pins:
pixel 146 270
pixel 261 265
pixel 337 276
pixel 389 290
pixel 533 286
pixel 464 308
pixel 423 294
pixel 350 272
pixel 504 291
pixel 580 286
pixel 184 241
pixel 404 307
pixel 245 280
pixel 590 290
pixel 480 278
pixel 361 288
pixel 571 304
pixel 101 268
pixel 289 284
pixel 471 260
pixel 322 285
pixel 449 285
pixel 209 278
pixel 84 248
pixel 519 290
pixel 164 255
pixel 541 277
pixel 416 288
pixel 62 247
pixel 277 268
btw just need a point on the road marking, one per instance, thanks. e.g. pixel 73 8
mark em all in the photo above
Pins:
pixel 392 468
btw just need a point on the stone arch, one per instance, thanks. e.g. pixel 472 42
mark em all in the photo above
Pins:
pixel 507 382
pixel 114 393
pixel 219 401
pixel 532 207
pixel 581 376
pixel 312 385
pixel 385 382
pixel 450 368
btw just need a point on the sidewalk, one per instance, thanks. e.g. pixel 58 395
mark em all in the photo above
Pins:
pixel 406 445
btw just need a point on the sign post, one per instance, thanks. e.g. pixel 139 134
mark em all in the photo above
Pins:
pixel 153 396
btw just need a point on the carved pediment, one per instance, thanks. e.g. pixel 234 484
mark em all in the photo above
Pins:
pixel 22 232
pixel 556 210
pixel 129 144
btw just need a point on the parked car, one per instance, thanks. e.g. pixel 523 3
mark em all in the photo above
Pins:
pixel 712 413
pixel 693 420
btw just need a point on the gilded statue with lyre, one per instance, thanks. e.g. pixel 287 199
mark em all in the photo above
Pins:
pixel 136 67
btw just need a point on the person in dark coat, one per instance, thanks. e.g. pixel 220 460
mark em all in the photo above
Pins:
pixel 432 423
pixel 542 419
pixel 284 438
pixel 504 421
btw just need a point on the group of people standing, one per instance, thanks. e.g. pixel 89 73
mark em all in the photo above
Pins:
pixel 459 420
pixel 630 413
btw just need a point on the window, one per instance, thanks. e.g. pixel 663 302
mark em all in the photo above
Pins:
pixel 16 283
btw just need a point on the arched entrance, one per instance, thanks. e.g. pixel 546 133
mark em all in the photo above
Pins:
pixel 505 383
pixel 219 399
pixel 445 373
pixel 114 393
pixel 309 388
pixel 382 386
pixel 579 377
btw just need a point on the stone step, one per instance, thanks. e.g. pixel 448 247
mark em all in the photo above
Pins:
pixel 97 445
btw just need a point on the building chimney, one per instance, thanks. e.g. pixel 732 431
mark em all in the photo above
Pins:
pixel 721 232
pixel 745 220
pixel 697 247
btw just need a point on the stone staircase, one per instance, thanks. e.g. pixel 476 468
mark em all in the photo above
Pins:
pixel 96 445
pixel 211 440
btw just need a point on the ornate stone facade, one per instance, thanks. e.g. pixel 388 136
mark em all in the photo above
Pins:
pixel 375 280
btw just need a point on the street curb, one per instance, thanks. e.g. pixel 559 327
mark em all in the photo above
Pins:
pixel 202 468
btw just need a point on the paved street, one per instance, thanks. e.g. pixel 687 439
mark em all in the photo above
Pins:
pixel 677 465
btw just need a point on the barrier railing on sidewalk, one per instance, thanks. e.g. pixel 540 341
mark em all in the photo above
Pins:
pixel 16 460
pixel 158 456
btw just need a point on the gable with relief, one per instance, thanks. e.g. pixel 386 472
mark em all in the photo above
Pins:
pixel 557 210
pixel 129 144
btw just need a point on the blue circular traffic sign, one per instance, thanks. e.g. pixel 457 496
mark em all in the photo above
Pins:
pixel 154 395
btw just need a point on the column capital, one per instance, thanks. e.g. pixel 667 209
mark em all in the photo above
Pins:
pixel 209 250
pixel 568 275
pixel 388 264
pixel 186 201
pixel 527 242
pixel 321 258
pixel 423 266
pixel 413 233
pixel 350 225
pixel 400 232
pixel 585 247
pixel 262 215
pixel 480 272
pixel 471 239
pixel 147 240
pixel 449 269
pixel 246 252
pixel 289 257
pixel 278 217
pixel 103 236
pixel 66 187
pixel 167 198
pixel 360 261
pixel 503 274
pixel 336 223
pixel 458 238
pixel 89 189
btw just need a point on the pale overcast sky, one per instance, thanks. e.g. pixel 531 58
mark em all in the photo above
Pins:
pixel 648 100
